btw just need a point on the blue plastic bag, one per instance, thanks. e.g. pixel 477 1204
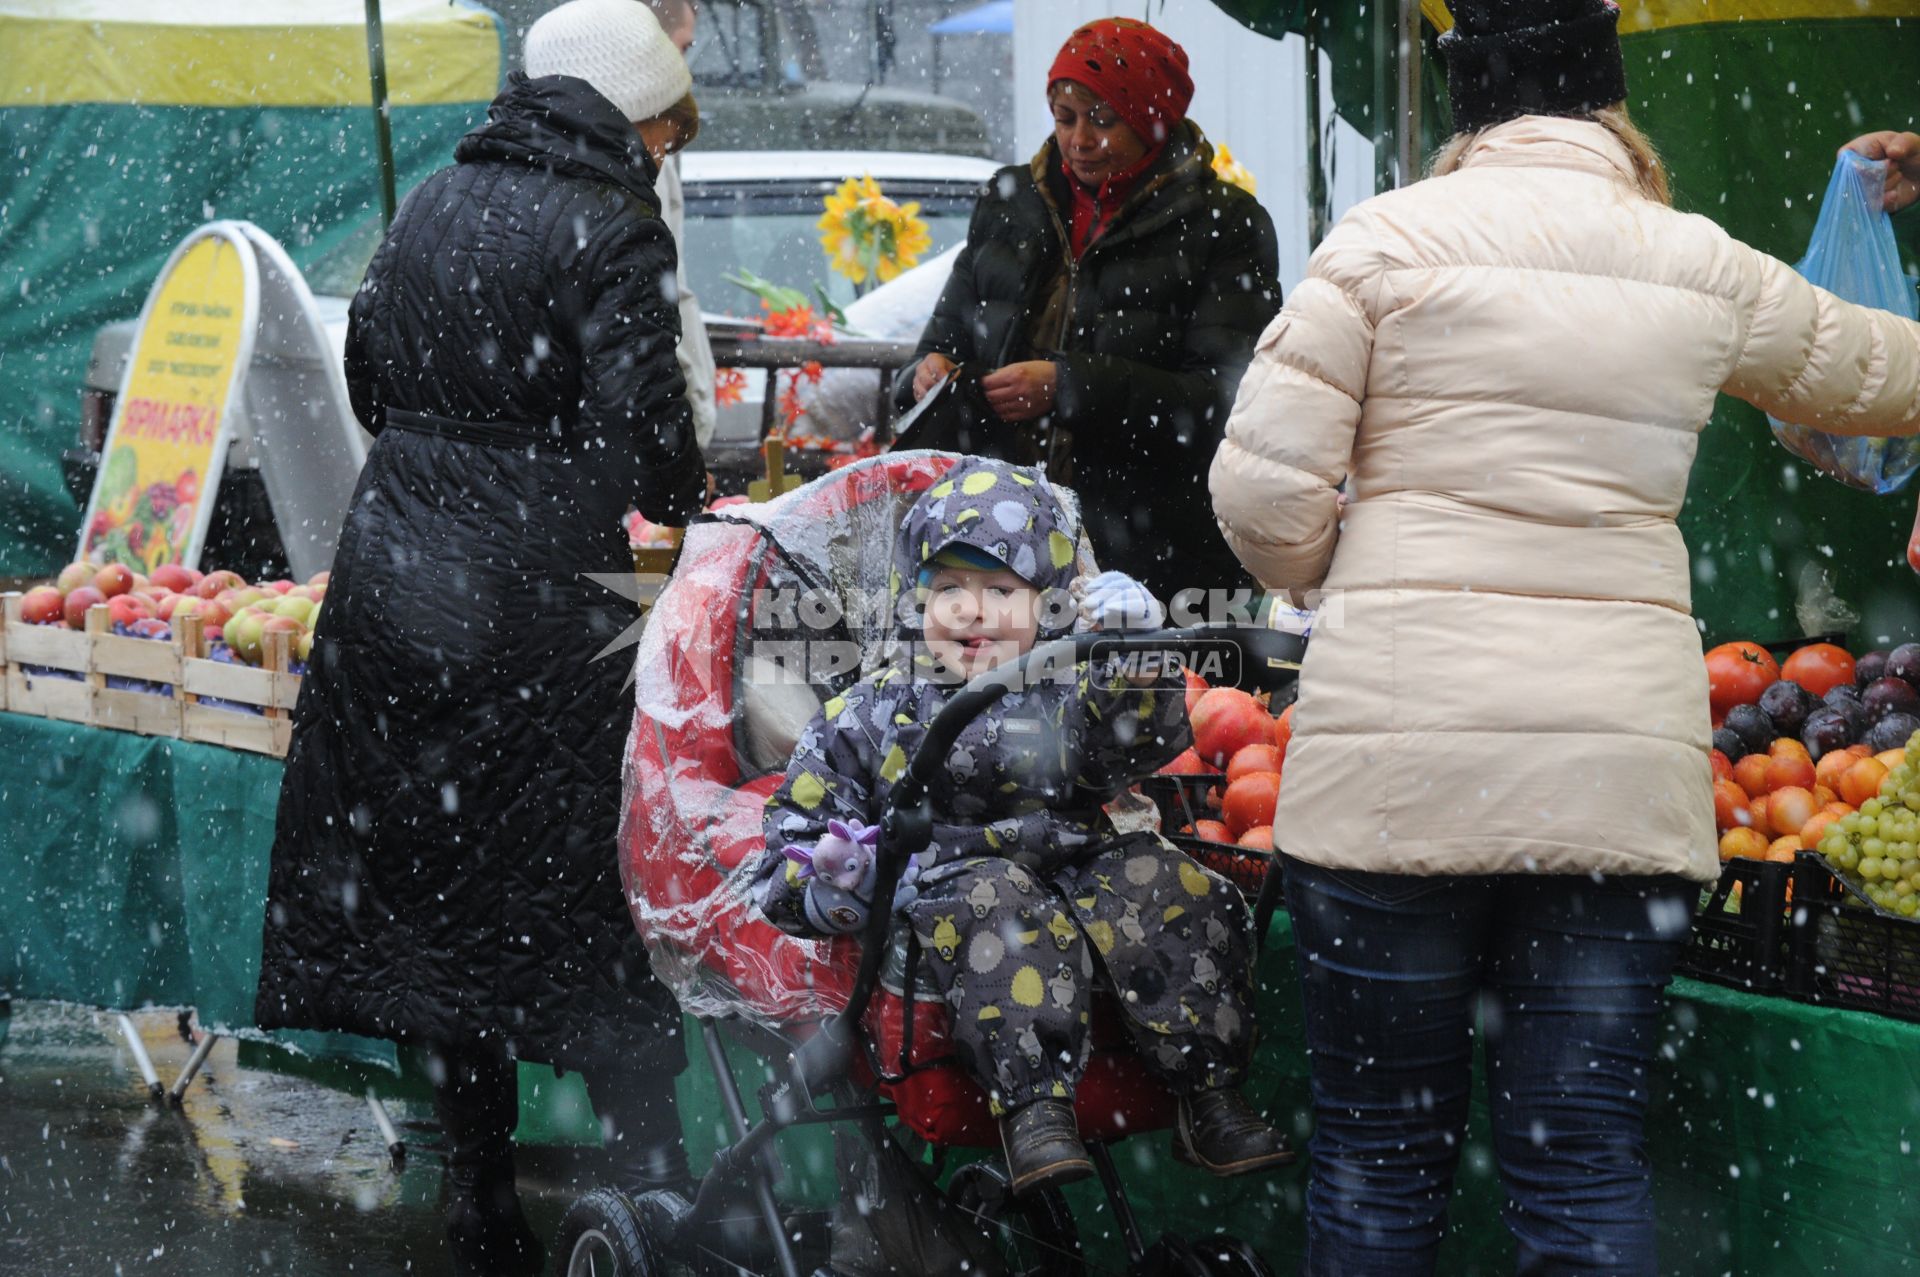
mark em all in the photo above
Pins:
pixel 1853 256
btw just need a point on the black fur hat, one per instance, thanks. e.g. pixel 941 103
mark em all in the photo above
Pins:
pixel 1509 58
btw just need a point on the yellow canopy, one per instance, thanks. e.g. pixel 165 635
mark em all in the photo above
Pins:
pixel 226 53
pixel 1655 15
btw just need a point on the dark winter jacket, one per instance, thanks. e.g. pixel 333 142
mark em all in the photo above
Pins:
pixel 444 862
pixel 1151 329
pixel 1027 778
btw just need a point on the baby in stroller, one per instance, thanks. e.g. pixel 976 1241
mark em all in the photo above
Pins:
pixel 1027 897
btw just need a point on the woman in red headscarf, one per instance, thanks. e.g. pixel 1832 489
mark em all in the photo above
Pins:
pixel 1110 294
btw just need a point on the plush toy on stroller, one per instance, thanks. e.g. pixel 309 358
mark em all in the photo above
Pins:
pixel 772 612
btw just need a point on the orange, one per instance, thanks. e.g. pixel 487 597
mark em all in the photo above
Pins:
pixel 1832 767
pixel 1250 802
pixel 1731 806
pixel 1789 810
pixel 1750 773
pixel 1788 745
pixel 1785 770
pixel 1862 780
pixel 1743 842
pixel 1811 832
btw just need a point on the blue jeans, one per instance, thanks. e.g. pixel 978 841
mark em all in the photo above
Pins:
pixel 1565 975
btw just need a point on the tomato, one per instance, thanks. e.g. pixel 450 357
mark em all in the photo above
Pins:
pixel 1819 667
pixel 1283 730
pixel 1225 721
pixel 1259 838
pixel 1250 759
pixel 1195 687
pixel 1185 763
pixel 1736 675
pixel 1250 801
pixel 1212 831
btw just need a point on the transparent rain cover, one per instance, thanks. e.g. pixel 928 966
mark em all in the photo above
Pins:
pixel 771 610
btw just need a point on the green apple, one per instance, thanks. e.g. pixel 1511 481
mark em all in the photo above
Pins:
pixel 243 634
pixel 299 609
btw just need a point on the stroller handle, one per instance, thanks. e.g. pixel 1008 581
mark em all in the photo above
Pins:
pixel 1268 658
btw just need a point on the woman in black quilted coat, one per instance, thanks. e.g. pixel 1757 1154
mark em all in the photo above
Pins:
pixel 444 866
pixel 1112 291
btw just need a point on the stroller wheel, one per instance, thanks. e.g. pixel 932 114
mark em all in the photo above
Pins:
pixel 1227 1256
pixel 1036 1232
pixel 602 1235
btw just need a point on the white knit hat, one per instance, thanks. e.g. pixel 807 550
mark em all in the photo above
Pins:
pixel 617 46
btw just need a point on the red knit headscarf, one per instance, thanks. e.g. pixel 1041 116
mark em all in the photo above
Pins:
pixel 1134 69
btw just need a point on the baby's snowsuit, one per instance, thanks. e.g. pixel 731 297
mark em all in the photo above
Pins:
pixel 1027 892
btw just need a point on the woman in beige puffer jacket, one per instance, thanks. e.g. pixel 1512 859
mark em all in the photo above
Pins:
pixel 1498 783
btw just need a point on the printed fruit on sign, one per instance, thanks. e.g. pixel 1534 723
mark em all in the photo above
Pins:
pixel 43 605
pixel 78 601
pixel 1253 758
pixel 1736 675
pixel 1226 720
pixel 1750 843
pixel 1250 801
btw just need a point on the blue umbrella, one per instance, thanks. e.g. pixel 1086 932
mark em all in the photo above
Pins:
pixel 993 18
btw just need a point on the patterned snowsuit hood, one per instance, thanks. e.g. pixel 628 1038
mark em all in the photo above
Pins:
pixel 1009 512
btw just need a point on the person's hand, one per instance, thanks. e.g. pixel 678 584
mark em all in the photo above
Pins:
pixel 1901 151
pixel 931 370
pixel 1115 601
pixel 1023 391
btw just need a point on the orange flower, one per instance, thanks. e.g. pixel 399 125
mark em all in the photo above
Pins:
pixel 812 371
pixel 729 387
pixel 798 321
pixel 790 405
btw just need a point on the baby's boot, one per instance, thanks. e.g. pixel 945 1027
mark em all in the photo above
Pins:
pixel 1043 1146
pixel 1219 1132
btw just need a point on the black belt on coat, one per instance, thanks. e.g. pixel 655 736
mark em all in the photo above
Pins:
pixel 519 435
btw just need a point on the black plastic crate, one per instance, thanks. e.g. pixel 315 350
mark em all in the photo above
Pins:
pixel 1740 932
pixel 1183 801
pixel 1846 951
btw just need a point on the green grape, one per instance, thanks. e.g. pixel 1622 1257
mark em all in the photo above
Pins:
pixel 1849 859
pixel 1874 847
pixel 1911 799
pixel 1872 808
pixel 1908 865
pixel 1832 843
pixel 1909 907
pixel 1902 889
pixel 1870 868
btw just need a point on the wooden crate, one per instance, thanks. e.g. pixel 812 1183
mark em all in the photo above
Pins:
pixel 148 713
pixel 271 687
pixel 50 647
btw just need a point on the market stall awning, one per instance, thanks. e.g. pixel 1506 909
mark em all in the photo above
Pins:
pixel 993 18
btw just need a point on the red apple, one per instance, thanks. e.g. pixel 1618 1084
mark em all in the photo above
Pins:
pixel 78 601
pixel 43 605
pixel 214 616
pixel 113 579
pixel 171 576
pixel 320 578
pixel 75 575
pixel 213 582
pixel 141 581
pixel 125 609
pixel 280 586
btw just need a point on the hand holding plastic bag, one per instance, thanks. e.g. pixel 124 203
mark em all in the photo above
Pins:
pixel 1853 255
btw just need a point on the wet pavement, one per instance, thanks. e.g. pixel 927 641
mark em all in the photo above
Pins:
pixel 255 1173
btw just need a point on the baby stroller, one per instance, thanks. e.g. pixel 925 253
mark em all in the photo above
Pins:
pixel 771 610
